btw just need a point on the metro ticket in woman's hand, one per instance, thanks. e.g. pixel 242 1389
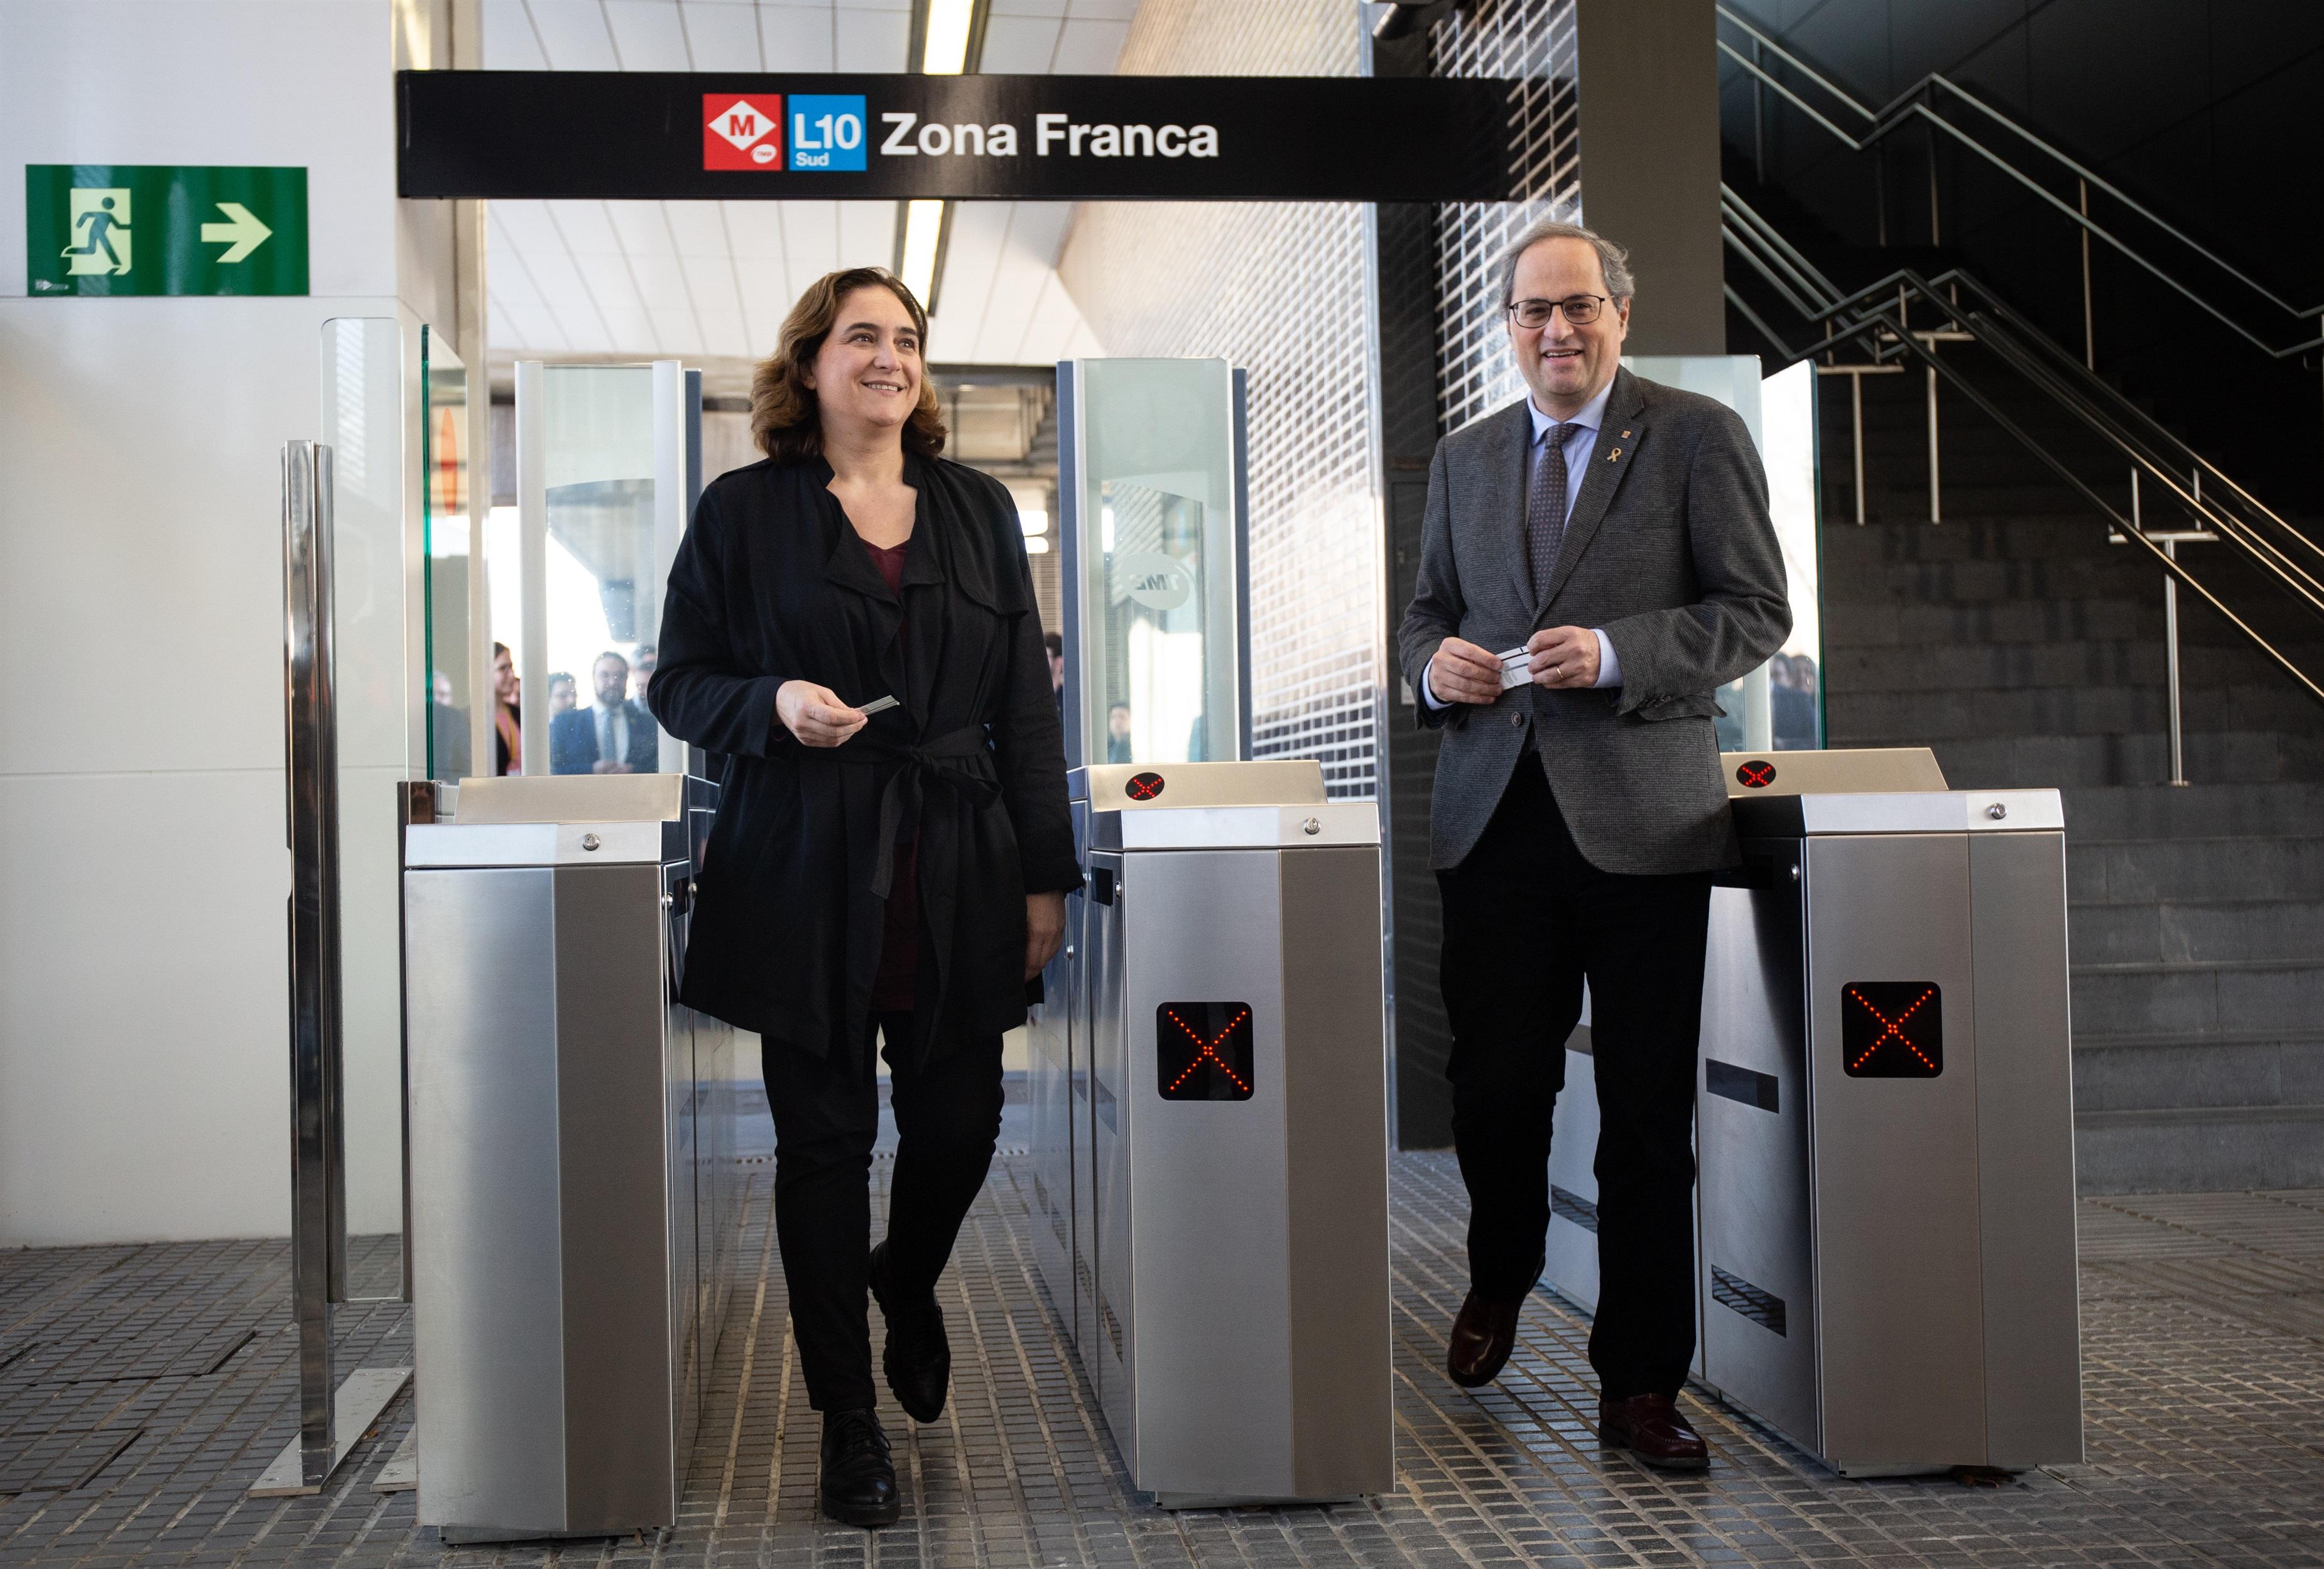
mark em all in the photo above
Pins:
pixel 877 705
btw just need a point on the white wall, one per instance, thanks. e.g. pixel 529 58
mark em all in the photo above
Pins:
pixel 143 1087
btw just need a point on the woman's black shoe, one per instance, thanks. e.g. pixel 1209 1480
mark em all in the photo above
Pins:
pixel 916 1358
pixel 859 1475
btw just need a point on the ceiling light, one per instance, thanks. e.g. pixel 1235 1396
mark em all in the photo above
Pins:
pixel 924 223
pixel 946 51
pixel 1033 520
pixel 1037 545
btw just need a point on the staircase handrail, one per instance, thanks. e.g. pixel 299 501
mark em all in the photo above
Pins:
pixel 1913 103
pixel 1864 317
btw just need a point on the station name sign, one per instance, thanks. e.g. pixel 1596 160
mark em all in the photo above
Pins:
pixel 645 135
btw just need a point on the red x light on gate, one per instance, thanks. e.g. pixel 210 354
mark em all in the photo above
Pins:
pixel 1142 787
pixel 1202 1051
pixel 1755 775
pixel 1892 1029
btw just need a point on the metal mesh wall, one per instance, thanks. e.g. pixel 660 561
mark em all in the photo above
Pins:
pixel 1533 43
pixel 1278 288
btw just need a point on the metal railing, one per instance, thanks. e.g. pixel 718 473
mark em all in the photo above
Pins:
pixel 1922 104
pixel 1879 321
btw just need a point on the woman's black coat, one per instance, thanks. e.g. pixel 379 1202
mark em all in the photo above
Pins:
pixel 773 585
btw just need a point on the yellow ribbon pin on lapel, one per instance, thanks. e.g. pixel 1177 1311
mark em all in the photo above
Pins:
pixel 1613 455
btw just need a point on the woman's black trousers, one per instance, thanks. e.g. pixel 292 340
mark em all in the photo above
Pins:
pixel 827 1119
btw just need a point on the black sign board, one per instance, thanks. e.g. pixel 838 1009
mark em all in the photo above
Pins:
pixel 642 136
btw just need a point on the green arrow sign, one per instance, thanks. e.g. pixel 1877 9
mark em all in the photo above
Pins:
pixel 146 228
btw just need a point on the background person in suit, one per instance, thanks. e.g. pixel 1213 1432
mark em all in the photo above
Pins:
pixel 615 736
pixel 1618 530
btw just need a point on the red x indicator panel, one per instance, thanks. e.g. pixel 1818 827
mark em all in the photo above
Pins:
pixel 1203 1051
pixel 1892 1029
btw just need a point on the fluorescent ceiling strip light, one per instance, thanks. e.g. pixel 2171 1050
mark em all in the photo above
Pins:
pixel 923 238
pixel 945 52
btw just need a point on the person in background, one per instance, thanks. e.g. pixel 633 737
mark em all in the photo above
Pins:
pixel 563 694
pixel 1057 647
pixel 641 670
pixel 448 730
pixel 508 728
pixel 898 877
pixel 1117 733
pixel 616 735
pixel 1791 711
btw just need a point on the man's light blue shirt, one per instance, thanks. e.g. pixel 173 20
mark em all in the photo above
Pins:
pixel 1580 439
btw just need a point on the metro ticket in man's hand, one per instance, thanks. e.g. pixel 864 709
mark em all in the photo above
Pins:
pixel 1516 668
pixel 877 705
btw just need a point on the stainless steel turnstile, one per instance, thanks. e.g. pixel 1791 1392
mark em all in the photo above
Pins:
pixel 1210 1131
pixel 572 1172
pixel 1883 1122
pixel 1886 1120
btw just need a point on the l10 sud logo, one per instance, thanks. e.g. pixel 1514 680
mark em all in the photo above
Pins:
pixel 746 131
pixel 828 132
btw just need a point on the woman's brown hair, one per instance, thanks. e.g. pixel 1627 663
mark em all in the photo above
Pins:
pixel 784 418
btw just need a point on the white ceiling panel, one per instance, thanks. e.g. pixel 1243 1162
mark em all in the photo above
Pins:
pixel 872 41
pixel 867 233
pixel 643 228
pixel 647 35
pixel 573 34
pixel 797 38
pixel 1020 45
pixel 722 34
pixel 588 228
pixel 1030 7
pixel 510 42
pixel 754 229
pixel 810 237
pixel 1088 47
pixel 677 332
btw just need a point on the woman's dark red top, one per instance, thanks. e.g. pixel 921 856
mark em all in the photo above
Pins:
pixel 899 951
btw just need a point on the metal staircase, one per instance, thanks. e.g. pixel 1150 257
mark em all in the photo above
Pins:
pixel 2030 537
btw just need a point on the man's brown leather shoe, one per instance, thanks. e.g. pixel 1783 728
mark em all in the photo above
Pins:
pixel 1650 1427
pixel 1482 1335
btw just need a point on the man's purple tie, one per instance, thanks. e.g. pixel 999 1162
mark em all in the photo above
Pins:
pixel 1546 510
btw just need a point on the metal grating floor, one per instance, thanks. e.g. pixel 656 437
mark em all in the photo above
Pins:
pixel 142 1389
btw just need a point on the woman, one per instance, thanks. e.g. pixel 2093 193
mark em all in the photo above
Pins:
pixel 902 872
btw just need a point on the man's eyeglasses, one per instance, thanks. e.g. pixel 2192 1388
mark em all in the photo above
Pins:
pixel 1581 310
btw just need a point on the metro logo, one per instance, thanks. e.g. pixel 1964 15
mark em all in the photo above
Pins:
pixel 742 131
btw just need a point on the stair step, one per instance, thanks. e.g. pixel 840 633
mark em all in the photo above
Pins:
pixel 2177 1074
pixel 2203 668
pixel 2047 531
pixel 2153 811
pixel 2197 999
pixel 1858 623
pixel 2080 761
pixel 2200 1149
pixel 2101 872
pixel 2055 711
pixel 2206 931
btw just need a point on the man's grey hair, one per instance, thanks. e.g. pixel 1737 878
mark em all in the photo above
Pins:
pixel 1611 258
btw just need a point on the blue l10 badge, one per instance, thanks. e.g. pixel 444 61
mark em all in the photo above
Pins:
pixel 826 131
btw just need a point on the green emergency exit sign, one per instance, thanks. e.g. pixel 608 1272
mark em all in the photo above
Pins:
pixel 158 228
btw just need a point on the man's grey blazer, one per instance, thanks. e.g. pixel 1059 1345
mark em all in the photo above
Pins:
pixel 1670 551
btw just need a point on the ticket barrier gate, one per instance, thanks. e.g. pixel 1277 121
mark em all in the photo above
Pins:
pixel 572 1173
pixel 1883 1122
pixel 1210 1131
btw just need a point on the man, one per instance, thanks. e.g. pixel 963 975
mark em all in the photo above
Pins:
pixel 616 736
pixel 1056 644
pixel 643 669
pixel 448 730
pixel 1618 531
pixel 563 694
pixel 507 714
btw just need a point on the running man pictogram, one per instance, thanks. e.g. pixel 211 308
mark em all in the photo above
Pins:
pixel 104 213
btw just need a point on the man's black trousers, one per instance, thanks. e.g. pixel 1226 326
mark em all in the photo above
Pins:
pixel 1526 921
pixel 826 1120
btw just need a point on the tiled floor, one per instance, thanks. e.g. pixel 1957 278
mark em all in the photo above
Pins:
pixel 142 1389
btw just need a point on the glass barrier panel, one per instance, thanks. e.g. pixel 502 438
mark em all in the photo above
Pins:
pixel 1157 557
pixel 446 557
pixel 603 587
pixel 371 421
